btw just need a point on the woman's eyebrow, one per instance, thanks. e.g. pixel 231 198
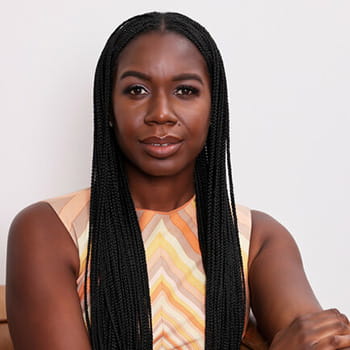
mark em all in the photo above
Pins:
pixel 134 73
pixel 188 76
pixel 180 77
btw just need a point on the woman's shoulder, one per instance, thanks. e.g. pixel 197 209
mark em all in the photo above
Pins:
pixel 244 220
pixel 42 268
pixel 68 206
pixel 262 231
pixel 42 223
pixel 276 276
pixel 73 211
pixel 74 199
pixel 64 206
pixel 257 223
pixel 267 231
pixel 38 233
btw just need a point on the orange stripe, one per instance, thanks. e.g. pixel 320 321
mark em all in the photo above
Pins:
pixel 163 287
pixel 187 232
pixel 180 329
pixel 175 257
pixel 164 335
pixel 73 207
pixel 178 305
pixel 145 219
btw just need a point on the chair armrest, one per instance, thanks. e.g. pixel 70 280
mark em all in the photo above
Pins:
pixel 5 338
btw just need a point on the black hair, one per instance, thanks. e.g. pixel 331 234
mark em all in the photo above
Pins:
pixel 116 274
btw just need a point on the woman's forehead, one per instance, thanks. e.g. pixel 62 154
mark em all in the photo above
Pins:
pixel 161 51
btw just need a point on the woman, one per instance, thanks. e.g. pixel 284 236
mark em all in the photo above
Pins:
pixel 160 257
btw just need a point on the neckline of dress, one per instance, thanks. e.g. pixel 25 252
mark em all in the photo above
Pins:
pixel 169 212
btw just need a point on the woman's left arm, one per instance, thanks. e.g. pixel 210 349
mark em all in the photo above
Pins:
pixel 286 309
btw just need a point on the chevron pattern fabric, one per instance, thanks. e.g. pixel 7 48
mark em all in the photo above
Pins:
pixel 176 277
pixel 174 265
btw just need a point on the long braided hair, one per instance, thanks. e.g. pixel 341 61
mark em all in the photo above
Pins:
pixel 116 274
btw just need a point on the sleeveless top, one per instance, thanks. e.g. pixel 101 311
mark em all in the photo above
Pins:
pixel 174 265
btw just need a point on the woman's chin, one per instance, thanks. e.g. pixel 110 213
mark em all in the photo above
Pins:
pixel 159 168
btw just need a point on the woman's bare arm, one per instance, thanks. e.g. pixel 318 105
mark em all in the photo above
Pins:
pixel 283 302
pixel 42 266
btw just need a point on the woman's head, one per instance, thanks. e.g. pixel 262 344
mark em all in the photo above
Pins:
pixel 161 104
pixel 164 23
pixel 120 303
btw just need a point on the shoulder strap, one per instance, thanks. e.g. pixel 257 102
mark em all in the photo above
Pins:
pixel 73 211
pixel 244 219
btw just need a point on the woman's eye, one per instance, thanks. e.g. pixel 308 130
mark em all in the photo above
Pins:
pixel 136 90
pixel 186 90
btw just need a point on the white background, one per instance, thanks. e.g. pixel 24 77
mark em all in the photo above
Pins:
pixel 288 69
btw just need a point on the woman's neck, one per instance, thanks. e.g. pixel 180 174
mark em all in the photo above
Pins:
pixel 161 193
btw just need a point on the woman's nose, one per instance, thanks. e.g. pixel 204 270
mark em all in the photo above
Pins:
pixel 160 111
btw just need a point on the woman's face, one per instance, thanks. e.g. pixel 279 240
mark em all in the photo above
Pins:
pixel 161 103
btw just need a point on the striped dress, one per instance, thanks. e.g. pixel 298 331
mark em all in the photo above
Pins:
pixel 174 265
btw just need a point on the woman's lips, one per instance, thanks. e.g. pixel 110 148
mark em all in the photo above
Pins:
pixel 161 147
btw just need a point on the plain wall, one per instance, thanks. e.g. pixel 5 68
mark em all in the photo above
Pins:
pixel 289 85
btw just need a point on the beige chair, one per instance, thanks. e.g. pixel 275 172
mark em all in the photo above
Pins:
pixel 5 339
pixel 251 341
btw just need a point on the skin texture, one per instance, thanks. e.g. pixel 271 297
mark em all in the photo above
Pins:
pixel 43 262
pixel 286 310
pixel 165 91
pixel 42 267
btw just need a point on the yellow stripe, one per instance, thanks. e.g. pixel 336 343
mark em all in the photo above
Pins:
pixel 177 280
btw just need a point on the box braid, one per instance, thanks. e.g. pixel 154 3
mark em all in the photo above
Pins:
pixel 116 278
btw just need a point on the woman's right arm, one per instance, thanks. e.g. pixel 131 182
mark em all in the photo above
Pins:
pixel 286 309
pixel 42 266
